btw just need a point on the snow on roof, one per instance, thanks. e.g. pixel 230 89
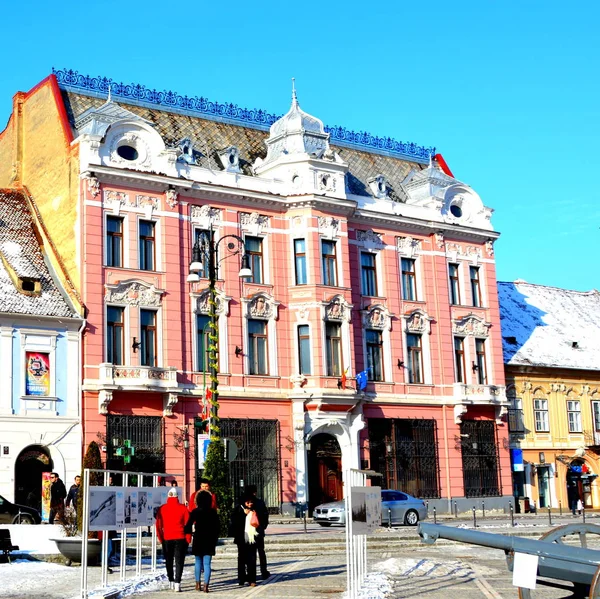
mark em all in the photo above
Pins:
pixel 21 252
pixel 550 327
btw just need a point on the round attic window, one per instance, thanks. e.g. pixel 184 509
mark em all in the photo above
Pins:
pixel 127 152
pixel 456 210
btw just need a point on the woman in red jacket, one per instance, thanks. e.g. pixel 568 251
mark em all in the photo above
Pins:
pixel 171 519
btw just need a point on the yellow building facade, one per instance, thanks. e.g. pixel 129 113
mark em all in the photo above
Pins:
pixel 551 343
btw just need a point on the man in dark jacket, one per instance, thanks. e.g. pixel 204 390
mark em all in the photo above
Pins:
pixel 171 520
pixel 73 493
pixel 263 518
pixel 58 492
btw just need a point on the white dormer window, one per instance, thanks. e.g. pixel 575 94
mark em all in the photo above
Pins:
pixel 230 159
pixel 378 185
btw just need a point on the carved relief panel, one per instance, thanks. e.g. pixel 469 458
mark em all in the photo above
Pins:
pixel 376 317
pixel 471 325
pixel 133 293
pixel 338 309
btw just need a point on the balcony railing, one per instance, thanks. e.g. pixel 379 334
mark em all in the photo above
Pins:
pixel 138 377
pixel 490 394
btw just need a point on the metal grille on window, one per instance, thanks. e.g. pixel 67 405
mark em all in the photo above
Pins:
pixel 257 461
pixel 405 452
pixel 146 436
pixel 480 458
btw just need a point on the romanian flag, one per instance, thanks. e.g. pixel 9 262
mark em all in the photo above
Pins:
pixel 343 379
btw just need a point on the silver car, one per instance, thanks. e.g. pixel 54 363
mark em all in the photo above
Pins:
pixel 396 506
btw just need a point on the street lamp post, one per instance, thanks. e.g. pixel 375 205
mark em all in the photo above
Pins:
pixel 206 249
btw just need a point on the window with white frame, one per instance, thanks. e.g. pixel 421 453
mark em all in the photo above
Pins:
pixel 333 348
pixel 148 338
pixel 368 273
pixel 202 238
pixel 374 342
pixel 115 322
pixel 475 286
pixel 329 260
pixel 574 416
pixel 540 415
pixel 300 261
pixel 515 415
pixel 409 283
pixel 254 251
pixel 414 356
pixel 202 336
pixel 147 245
pixel 304 361
pixel 258 357
pixel 114 241
pixel 454 284
pixel 480 362
pixel 459 359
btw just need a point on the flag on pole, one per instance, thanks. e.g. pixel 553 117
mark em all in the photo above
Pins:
pixel 362 379
pixel 343 379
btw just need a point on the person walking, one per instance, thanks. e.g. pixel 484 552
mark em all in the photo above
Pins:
pixel 204 521
pixel 263 519
pixel 73 493
pixel 58 492
pixel 244 524
pixel 171 519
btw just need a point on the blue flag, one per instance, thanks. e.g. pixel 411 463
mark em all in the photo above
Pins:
pixel 362 379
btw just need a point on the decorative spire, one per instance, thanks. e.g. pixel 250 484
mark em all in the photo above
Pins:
pixel 294 96
pixel 109 90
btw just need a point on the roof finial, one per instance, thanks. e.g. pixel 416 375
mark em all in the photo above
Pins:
pixel 109 100
pixel 294 96
pixel 430 159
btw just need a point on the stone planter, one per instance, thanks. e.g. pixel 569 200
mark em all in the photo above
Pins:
pixel 70 547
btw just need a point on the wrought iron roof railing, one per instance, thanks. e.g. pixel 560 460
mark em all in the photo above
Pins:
pixel 135 93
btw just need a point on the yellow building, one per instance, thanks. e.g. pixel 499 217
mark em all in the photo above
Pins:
pixel 551 342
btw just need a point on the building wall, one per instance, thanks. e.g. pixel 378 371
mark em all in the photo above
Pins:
pixel 559 446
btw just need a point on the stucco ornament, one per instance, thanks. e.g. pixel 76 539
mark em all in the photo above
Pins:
pixel 328 226
pixel 171 197
pixel 115 199
pixel 205 216
pixel 133 293
pixel 261 306
pixel 337 309
pixel 169 402
pixel 104 398
pixel 376 317
pixel 471 325
pixel 489 247
pixel 326 182
pixel 370 239
pixel 93 184
pixel 417 322
pixel 439 240
pixel 254 223
pixel 408 246
pixel 202 302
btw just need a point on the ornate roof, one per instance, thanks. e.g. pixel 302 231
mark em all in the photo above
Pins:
pixel 22 257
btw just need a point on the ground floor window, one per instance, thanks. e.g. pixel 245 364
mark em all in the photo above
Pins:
pixel 480 460
pixel 257 461
pixel 404 451
pixel 142 433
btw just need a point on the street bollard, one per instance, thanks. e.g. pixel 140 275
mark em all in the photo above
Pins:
pixel 474 518
pixel 549 516
pixel 389 518
pixel 560 507
pixel 434 516
pixel 583 514
pixel 304 518
pixel 512 515
pixel 483 510
pixel 455 510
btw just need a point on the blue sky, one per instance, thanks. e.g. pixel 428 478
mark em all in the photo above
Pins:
pixel 508 91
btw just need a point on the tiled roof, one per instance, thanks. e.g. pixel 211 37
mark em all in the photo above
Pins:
pixel 549 327
pixel 20 249
pixel 210 136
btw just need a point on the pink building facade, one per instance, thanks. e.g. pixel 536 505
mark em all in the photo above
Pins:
pixel 368 262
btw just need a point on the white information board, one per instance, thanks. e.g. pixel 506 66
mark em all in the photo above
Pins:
pixel 366 509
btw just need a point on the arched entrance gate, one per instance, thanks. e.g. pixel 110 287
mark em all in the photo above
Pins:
pixel 29 466
pixel 325 481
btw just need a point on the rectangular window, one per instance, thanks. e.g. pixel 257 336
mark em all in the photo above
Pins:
pixel 480 361
pixel 147 245
pixel 454 284
pixel 254 251
pixel 114 334
pixel 300 261
pixel 415 358
pixel 596 416
pixel 304 349
pixel 202 333
pixel 114 241
pixel 148 337
pixel 257 347
pixel 475 286
pixel 374 355
pixel 333 343
pixel 515 416
pixel 409 289
pixel 459 359
pixel 202 238
pixel 369 273
pixel 37 373
pixel 329 263
pixel 574 416
pixel 540 415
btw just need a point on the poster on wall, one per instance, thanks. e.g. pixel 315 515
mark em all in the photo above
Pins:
pixel 130 509
pixel 37 373
pixel 107 508
pixel 46 484
pixel 366 510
